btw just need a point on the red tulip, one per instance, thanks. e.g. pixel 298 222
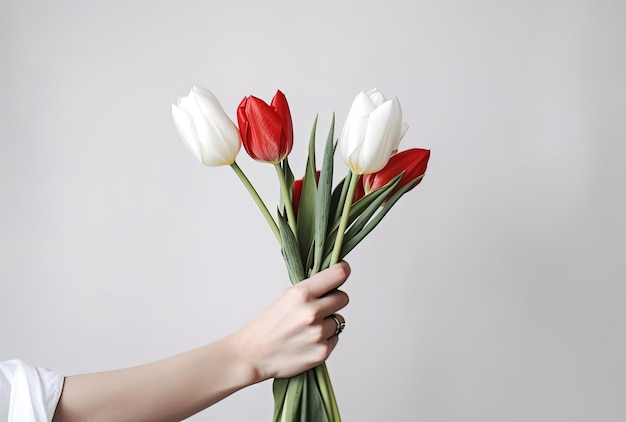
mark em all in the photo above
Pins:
pixel 412 161
pixel 266 130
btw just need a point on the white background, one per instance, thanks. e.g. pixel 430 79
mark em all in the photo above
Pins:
pixel 493 292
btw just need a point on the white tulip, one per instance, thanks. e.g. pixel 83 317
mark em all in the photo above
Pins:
pixel 205 128
pixel 371 133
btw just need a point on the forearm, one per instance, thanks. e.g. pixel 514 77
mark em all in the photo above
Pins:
pixel 293 334
pixel 168 390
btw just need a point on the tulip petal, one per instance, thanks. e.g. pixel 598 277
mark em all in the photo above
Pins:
pixel 354 128
pixel 383 129
pixel 264 133
pixel 209 106
pixel 353 134
pixel 205 128
pixel 362 106
pixel 205 93
pixel 371 133
pixel 403 129
pixel 223 133
pixel 376 96
pixel 242 120
pixel 412 162
pixel 281 107
pixel 400 127
pixel 186 130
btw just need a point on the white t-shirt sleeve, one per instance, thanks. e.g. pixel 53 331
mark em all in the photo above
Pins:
pixel 28 394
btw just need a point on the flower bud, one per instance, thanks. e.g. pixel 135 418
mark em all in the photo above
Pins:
pixel 205 128
pixel 266 130
pixel 371 132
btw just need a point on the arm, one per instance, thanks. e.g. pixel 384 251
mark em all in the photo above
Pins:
pixel 290 336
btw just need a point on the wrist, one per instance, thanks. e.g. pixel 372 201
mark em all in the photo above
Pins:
pixel 248 369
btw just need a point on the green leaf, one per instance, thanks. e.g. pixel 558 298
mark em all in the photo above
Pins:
pixel 279 389
pixel 355 240
pixel 306 209
pixel 326 391
pixel 290 251
pixel 334 200
pixel 322 205
pixel 292 400
pixel 304 403
pixel 313 401
pixel 363 209
pixel 299 398
pixel 356 210
pixel 289 179
pixel 341 200
pixel 364 217
pixel 308 267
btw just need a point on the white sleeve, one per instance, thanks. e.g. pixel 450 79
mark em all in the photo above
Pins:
pixel 28 394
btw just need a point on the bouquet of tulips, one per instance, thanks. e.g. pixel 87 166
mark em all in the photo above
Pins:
pixel 316 223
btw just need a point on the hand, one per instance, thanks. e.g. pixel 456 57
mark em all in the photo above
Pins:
pixel 297 331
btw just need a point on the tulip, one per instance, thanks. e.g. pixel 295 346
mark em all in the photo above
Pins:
pixel 205 128
pixel 371 133
pixel 412 162
pixel 266 130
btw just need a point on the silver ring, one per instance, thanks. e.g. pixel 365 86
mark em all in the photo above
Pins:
pixel 340 325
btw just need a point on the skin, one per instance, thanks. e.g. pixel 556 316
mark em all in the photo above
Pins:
pixel 295 333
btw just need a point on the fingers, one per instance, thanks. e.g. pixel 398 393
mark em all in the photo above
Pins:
pixel 322 288
pixel 331 303
pixel 333 326
pixel 327 280
pixel 332 343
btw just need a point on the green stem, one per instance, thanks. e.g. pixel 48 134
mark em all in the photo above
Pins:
pixel 344 219
pixel 291 217
pixel 257 199
pixel 326 389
